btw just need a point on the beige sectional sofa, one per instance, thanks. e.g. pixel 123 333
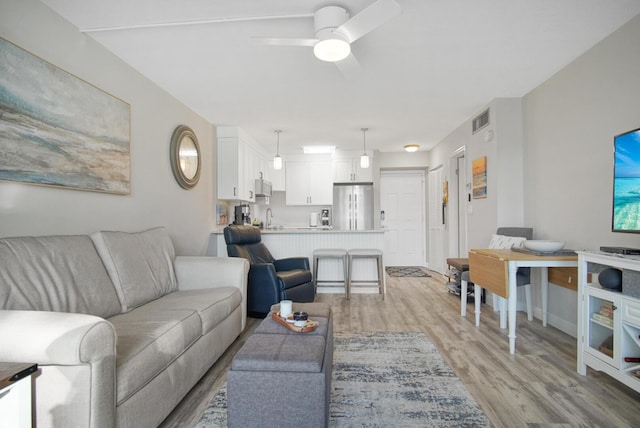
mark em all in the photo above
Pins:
pixel 120 327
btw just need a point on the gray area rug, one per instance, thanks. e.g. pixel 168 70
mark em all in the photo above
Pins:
pixel 407 271
pixel 386 380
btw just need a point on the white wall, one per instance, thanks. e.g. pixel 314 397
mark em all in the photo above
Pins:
pixel 569 124
pixel 503 205
pixel 155 198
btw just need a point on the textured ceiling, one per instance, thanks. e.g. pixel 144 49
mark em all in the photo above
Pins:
pixel 423 73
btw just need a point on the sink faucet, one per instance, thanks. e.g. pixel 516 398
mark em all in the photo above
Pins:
pixel 269 218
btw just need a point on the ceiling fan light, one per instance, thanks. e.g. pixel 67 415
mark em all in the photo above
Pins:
pixel 411 147
pixel 331 50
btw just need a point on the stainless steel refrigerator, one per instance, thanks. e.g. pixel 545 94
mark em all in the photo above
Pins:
pixel 353 206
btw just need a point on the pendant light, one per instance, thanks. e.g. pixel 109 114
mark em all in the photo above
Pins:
pixel 277 160
pixel 364 159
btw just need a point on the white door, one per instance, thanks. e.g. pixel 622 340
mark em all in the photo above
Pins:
pixel 456 215
pixel 402 195
pixel 461 213
pixel 436 222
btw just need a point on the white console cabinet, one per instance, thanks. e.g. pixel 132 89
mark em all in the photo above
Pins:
pixel 608 321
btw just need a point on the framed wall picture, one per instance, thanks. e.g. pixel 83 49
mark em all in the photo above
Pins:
pixel 479 170
pixel 58 130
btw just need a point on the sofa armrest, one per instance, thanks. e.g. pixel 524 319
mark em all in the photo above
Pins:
pixel 55 338
pixel 76 354
pixel 292 263
pixel 211 272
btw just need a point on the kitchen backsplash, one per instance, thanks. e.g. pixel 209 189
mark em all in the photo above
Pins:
pixel 285 215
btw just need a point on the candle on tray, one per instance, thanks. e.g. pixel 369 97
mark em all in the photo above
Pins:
pixel 286 307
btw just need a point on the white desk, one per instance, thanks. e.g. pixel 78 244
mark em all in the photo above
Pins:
pixel 496 270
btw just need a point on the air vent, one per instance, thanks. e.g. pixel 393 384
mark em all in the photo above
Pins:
pixel 480 121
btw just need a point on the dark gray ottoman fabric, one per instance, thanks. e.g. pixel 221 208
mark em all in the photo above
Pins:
pixel 283 378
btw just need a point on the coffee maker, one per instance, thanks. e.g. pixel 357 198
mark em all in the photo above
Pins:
pixel 242 214
pixel 324 217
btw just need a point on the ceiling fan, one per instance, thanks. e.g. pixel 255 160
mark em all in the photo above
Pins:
pixel 335 31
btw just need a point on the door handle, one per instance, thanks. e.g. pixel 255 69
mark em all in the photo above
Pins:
pixel 382 215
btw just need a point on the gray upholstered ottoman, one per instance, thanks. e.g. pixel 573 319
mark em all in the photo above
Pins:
pixel 283 378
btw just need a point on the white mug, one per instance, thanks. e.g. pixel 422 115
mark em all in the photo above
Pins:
pixel 286 308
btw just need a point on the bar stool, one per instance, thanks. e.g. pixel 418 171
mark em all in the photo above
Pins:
pixel 366 253
pixel 331 253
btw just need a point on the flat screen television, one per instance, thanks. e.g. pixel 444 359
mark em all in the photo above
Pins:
pixel 626 182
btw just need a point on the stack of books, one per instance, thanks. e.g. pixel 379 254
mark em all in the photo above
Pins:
pixel 605 315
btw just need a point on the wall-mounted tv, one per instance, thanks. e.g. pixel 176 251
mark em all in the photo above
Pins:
pixel 626 182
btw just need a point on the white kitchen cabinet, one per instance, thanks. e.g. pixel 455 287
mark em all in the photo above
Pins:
pixel 239 165
pixel 309 183
pixel 608 321
pixel 346 170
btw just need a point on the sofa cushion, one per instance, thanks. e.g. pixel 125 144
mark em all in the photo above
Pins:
pixel 148 341
pixel 212 305
pixel 55 273
pixel 140 264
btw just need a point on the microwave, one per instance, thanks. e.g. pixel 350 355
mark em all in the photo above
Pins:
pixel 263 187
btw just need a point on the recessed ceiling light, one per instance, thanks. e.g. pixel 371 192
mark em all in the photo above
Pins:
pixel 318 149
pixel 411 147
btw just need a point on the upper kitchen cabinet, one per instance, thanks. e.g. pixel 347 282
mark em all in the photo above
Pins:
pixel 239 164
pixel 309 183
pixel 346 169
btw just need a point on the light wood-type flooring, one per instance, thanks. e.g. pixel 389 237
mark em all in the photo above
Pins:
pixel 536 387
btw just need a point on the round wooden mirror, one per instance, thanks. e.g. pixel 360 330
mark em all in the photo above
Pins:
pixel 185 157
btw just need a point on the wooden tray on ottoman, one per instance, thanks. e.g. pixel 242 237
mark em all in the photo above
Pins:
pixel 309 326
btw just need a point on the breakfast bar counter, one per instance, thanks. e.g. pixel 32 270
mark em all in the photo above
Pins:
pixel 296 242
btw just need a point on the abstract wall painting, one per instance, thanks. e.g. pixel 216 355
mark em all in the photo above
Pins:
pixel 58 130
pixel 479 170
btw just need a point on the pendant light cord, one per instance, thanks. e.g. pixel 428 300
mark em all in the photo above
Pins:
pixel 364 140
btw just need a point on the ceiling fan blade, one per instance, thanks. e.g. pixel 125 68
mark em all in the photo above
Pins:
pixel 369 19
pixel 274 41
pixel 349 67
